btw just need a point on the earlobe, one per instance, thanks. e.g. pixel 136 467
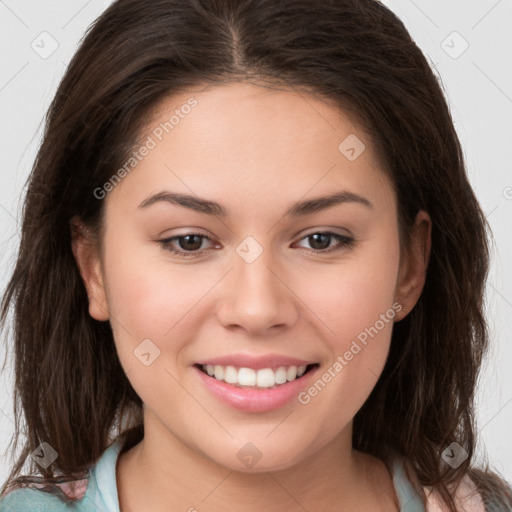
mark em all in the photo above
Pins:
pixel 413 270
pixel 85 251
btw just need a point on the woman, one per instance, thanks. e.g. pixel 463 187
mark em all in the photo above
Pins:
pixel 246 370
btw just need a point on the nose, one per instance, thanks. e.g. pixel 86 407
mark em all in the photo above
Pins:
pixel 256 297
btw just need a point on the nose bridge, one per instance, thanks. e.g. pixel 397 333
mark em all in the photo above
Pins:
pixel 256 297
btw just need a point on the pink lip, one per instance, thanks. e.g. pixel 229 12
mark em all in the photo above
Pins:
pixel 255 362
pixel 256 400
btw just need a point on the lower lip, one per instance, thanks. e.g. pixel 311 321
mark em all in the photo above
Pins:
pixel 255 400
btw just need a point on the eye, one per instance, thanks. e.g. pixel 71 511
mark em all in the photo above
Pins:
pixel 190 244
pixel 320 241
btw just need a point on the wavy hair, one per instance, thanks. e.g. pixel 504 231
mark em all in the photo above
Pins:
pixel 354 54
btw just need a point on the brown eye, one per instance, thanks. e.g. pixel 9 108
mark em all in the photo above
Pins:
pixel 320 242
pixel 188 244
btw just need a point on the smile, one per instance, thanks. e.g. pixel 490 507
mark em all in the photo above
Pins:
pixel 254 390
pixel 264 378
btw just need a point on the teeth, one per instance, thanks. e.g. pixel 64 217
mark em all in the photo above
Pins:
pixel 264 378
pixel 247 377
pixel 218 372
pixel 231 375
pixel 281 375
pixel 291 373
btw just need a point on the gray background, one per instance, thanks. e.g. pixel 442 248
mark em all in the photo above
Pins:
pixel 477 81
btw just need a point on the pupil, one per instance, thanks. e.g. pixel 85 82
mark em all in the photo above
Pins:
pixel 187 246
pixel 315 240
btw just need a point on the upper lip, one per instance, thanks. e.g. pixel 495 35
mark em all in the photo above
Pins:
pixel 255 362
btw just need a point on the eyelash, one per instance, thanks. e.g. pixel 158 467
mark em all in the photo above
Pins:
pixel 345 243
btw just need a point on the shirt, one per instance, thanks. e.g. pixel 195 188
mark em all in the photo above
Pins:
pixel 98 492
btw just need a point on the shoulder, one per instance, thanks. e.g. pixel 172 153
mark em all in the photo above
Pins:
pixel 466 497
pixel 34 499
pixel 95 490
pixel 31 500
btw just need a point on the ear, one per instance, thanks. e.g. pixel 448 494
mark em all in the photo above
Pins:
pixel 86 252
pixel 413 267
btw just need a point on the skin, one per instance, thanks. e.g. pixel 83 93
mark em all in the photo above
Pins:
pixel 256 151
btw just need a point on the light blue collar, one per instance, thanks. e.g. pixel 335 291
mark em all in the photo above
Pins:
pixel 408 498
pixel 102 488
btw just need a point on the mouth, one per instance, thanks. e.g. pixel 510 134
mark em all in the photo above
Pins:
pixel 250 378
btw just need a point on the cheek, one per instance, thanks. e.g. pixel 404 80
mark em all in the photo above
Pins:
pixel 361 318
pixel 350 296
pixel 151 298
pixel 356 304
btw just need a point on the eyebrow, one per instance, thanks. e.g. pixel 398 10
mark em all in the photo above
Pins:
pixel 299 209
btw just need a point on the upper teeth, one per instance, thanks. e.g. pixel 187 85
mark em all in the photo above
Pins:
pixel 264 378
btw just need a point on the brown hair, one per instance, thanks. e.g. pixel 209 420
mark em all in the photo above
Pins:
pixel 355 54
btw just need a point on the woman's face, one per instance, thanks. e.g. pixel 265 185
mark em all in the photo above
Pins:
pixel 260 289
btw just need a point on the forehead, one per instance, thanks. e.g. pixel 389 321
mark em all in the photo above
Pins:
pixel 250 142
